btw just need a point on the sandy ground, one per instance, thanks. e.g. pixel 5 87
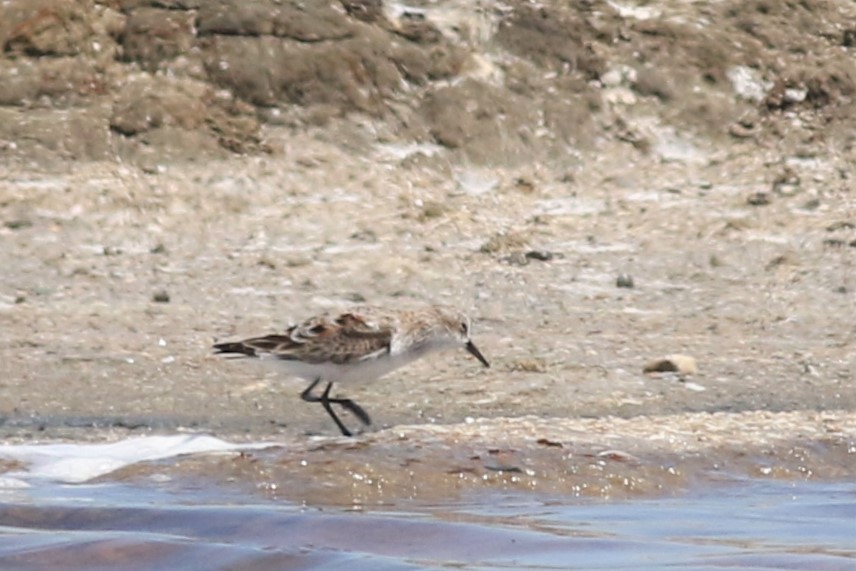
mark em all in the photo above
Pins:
pixel 758 295
pixel 118 275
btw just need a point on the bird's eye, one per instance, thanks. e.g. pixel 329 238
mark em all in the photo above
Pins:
pixel 464 327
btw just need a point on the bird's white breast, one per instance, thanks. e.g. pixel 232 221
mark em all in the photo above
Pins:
pixel 354 373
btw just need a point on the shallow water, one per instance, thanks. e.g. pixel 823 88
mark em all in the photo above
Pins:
pixel 748 524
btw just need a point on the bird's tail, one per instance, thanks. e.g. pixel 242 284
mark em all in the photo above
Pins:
pixel 235 347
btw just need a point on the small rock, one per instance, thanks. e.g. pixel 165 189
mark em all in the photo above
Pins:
pixel 758 199
pixel 624 281
pixel 540 255
pixel 161 297
pixel 415 27
pixel 611 78
pixel 739 131
pixel 297 261
pixel 618 456
pixel 841 225
pixel 715 261
pixel 747 82
pixel 524 185
pixel 786 259
pixel 682 364
pixel 787 182
pixel 159 249
pixel 812 204
pixel 432 209
pixel 366 235
pixel 795 95
pixel 504 468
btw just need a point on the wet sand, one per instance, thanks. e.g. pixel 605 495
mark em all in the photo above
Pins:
pixel 607 458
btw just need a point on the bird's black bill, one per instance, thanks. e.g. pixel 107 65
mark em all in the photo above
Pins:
pixel 474 351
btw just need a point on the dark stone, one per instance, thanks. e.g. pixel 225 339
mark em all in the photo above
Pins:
pixel 161 296
pixel 625 281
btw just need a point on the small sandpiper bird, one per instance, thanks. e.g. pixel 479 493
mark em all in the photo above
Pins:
pixel 357 346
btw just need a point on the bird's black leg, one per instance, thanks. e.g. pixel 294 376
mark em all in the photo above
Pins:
pixel 354 408
pixel 325 401
pixel 307 394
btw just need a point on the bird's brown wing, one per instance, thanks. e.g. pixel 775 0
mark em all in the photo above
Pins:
pixel 340 338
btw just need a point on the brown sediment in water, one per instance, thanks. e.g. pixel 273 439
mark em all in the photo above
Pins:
pixel 583 458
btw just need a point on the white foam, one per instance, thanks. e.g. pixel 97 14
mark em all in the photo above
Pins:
pixel 78 463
